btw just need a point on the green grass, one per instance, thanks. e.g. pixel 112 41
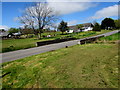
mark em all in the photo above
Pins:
pixel 17 44
pixel 79 66
pixel 113 37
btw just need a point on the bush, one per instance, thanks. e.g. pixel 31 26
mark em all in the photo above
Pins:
pixel 96 27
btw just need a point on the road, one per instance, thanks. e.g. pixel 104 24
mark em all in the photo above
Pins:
pixel 14 55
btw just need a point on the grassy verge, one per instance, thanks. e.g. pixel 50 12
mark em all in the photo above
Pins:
pixel 17 44
pixel 80 66
pixel 113 37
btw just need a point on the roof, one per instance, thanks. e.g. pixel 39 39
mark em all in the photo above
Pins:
pixel 84 24
pixel 73 27
pixel 17 33
pixel 87 24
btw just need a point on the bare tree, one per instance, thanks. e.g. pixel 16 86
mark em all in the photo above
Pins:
pixel 38 16
pixel 28 22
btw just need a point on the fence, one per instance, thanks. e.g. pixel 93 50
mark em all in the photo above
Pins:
pixel 90 39
pixel 53 41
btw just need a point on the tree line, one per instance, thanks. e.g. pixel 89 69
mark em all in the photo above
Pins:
pixel 107 24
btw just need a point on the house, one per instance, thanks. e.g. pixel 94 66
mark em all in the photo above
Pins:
pixel 16 35
pixel 6 35
pixel 73 29
pixel 69 31
pixel 86 27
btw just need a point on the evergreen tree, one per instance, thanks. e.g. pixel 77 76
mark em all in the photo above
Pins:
pixel 63 26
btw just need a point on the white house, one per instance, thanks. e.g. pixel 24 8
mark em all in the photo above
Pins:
pixel 70 31
pixel 86 27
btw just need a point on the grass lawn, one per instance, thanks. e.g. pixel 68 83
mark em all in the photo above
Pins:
pixel 17 44
pixel 79 66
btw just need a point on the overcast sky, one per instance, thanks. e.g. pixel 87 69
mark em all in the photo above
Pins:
pixel 71 12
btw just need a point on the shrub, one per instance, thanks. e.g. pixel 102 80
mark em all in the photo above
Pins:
pixel 96 27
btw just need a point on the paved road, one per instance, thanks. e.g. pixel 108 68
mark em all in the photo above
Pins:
pixel 14 55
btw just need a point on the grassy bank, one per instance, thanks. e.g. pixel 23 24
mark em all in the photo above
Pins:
pixel 113 37
pixel 80 66
pixel 17 44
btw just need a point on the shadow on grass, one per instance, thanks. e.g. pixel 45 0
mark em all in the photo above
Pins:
pixel 12 48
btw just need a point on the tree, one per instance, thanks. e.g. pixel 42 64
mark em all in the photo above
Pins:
pixel 38 16
pixel 79 26
pixel 117 23
pixel 26 31
pixel 108 23
pixel 28 23
pixel 96 27
pixel 13 30
pixel 63 26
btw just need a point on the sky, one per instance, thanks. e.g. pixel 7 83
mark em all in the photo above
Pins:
pixel 71 12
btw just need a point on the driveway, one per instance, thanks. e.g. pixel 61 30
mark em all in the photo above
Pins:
pixel 14 55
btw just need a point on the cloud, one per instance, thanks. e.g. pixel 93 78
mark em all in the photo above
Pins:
pixel 70 23
pixel 73 22
pixel 4 27
pixel 106 12
pixel 64 7
pixel 69 7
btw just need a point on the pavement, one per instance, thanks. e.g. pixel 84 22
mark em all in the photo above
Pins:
pixel 14 55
